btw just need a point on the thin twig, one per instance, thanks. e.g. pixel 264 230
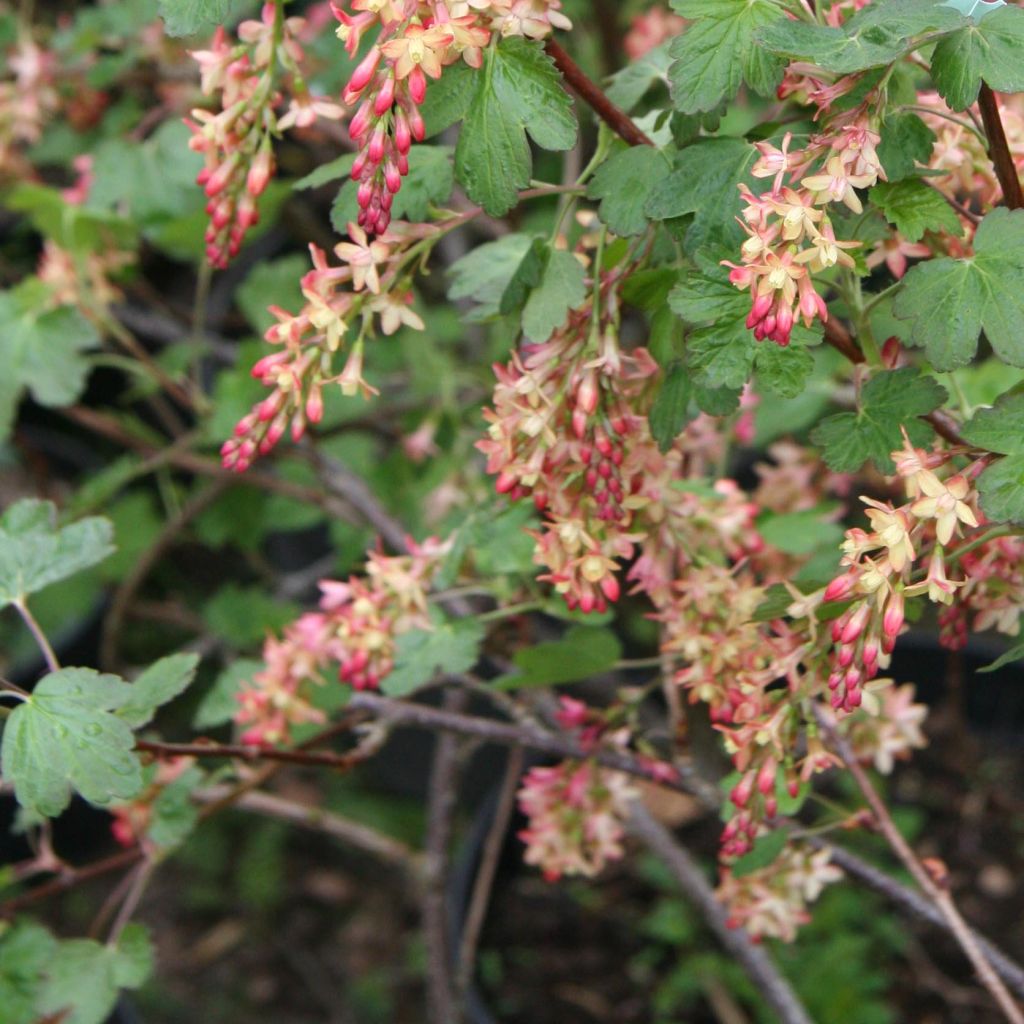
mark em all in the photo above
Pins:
pixel 244 753
pixel 316 819
pixel 999 148
pixel 38 635
pixel 936 892
pixel 486 871
pixel 751 957
pixel 442 1005
pixel 143 873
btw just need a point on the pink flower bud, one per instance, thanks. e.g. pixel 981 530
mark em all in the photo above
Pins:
pixel 610 588
pixel 417 85
pixel 360 123
pixel 892 621
pixel 855 626
pixel 392 178
pixel 840 588
pixel 741 792
pixel 385 97
pixel 403 136
pixel 766 777
pixel 375 151
pixel 260 171
pixel 363 72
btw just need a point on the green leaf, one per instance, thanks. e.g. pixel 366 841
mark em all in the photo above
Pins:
pixel 766 849
pixel 989 50
pixel 483 275
pixel 950 301
pixel 63 736
pixel 623 183
pixel 717 52
pixel 914 208
pixel 519 91
pixel 220 702
pixel 906 142
pixel 80 229
pixel 670 411
pixel 875 37
pixel 448 99
pixel 84 976
pixel 242 616
pixel 562 287
pixel 334 170
pixel 174 814
pixel 584 651
pixel 800 533
pixel 783 370
pixel 34 553
pixel 889 401
pixel 1015 653
pixel 161 682
pixel 1001 488
pixel 704 183
pixel 526 277
pixel 26 951
pixel 271 283
pixel 187 17
pixel 628 86
pixel 999 428
pixel 41 352
pixel 451 647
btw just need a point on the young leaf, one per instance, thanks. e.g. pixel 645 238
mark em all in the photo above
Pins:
pixel 1015 653
pixel 583 651
pixel 889 401
pixel 174 815
pixel 26 951
pixel 561 288
pixel 717 52
pixel 766 849
pixel 629 85
pixel 950 301
pixel 914 208
pixel 623 183
pixel 999 428
pixel 161 682
pixel 451 647
pixel 518 91
pixel 187 17
pixel 41 352
pixel 670 411
pixel 64 736
pixel 906 142
pixel 84 976
pixel 35 553
pixel 1001 488
pixel 526 277
pixel 220 702
pixel 988 50
pixel 783 371
pixel 484 274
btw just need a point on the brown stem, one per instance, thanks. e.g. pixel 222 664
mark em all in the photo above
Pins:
pixel 999 149
pixel 591 94
pixel 937 893
pixel 245 753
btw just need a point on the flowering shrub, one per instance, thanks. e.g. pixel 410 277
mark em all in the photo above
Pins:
pixel 752 294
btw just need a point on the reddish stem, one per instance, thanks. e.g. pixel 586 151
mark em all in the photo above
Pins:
pixel 999 149
pixel 247 753
pixel 616 119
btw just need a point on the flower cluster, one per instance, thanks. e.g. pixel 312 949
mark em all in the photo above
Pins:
pixel 371 288
pixel 416 40
pixel 237 140
pixel 880 567
pixel 354 630
pixel 27 100
pixel 574 814
pixel 772 901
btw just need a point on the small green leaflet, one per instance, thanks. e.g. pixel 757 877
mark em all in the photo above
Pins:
pixel 717 52
pixel 670 411
pixel 704 183
pixel 242 616
pixel 420 654
pixel 517 91
pixel 41 351
pixel 161 682
pixel 766 849
pixel 561 287
pixel 187 17
pixel 800 533
pixel 877 36
pixel 448 99
pixel 1015 653
pixel 174 815
pixel 584 651
pixel 624 183
pixel 989 50
pixel 26 951
pixel 84 976
pixel 889 401
pixel 914 208
pixel 81 229
pixel 220 702
pixel 906 142
pixel 1001 429
pixel 484 274
pixel 629 85
pixel 64 736
pixel 34 553
pixel 950 301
